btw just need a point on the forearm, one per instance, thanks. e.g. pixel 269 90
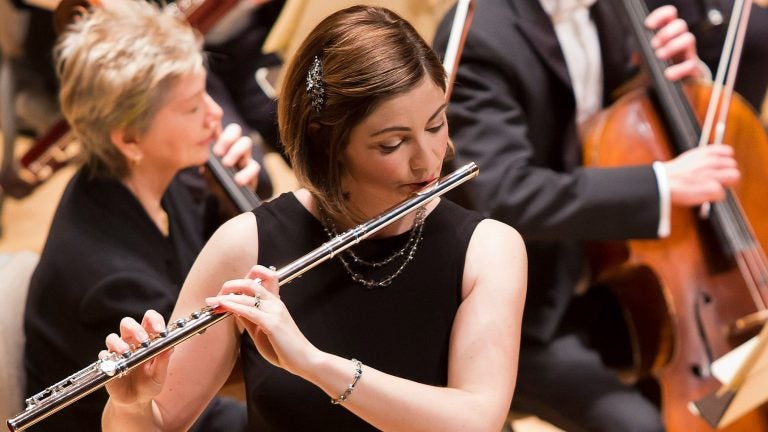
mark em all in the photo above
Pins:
pixel 395 404
pixel 134 417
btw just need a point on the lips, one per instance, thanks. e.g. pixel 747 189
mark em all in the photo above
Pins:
pixel 211 140
pixel 421 184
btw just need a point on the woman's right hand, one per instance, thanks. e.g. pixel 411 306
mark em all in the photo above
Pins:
pixel 145 382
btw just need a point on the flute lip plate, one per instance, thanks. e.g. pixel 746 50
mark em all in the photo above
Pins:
pixel 428 187
pixel 471 168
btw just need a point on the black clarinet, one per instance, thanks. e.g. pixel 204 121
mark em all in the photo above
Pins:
pixel 98 374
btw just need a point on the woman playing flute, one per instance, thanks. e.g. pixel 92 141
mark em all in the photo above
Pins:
pixel 416 328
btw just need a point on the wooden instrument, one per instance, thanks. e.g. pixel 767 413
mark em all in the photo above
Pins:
pixel 695 295
pixel 242 198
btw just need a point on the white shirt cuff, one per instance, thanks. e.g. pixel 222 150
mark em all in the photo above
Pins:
pixel 665 205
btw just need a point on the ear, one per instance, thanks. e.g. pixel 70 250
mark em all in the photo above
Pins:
pixel 126 144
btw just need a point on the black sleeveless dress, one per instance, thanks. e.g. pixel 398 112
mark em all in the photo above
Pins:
pixel 402 329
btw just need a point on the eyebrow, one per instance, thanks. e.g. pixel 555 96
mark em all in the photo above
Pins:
pixel 188 99
pixel 405 129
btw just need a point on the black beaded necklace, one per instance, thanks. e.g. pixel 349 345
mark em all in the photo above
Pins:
pixel 406 252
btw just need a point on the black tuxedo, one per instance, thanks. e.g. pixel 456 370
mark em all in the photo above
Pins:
pixel 512 111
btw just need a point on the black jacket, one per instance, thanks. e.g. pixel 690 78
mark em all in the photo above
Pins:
pixel 104 259
pixel 512 112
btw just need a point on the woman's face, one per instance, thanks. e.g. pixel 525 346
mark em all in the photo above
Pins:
pixel 183 129
pixel 396 150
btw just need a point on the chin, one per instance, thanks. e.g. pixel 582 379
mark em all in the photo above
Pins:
pixel 202 157
pixel 197 162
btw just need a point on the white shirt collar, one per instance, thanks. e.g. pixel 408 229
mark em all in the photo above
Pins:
pixel 562 9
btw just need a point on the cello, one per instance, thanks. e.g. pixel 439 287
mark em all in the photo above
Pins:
pixel 693 296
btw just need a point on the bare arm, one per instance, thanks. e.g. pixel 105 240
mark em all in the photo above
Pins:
pixel 482 366
pixel 134 400
pixel 482 357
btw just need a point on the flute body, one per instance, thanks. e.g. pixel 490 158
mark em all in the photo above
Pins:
pixel 101 372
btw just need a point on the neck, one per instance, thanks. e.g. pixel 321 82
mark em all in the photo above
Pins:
pixel 149 186
pixel 398 227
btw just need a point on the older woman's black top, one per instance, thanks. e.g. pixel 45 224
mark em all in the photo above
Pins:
pixel 104 259
pixel 401 329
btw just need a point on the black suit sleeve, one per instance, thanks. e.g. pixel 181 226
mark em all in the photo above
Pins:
pixel 508 115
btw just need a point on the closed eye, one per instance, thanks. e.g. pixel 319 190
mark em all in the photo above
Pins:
pixel 390 148
pixel 437 128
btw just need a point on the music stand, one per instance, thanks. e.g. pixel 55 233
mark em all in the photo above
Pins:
pixel 744 374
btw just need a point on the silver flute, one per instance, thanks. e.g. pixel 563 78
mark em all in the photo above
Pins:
pixel 98 374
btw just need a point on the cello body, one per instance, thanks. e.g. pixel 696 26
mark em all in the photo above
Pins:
pixel 682 294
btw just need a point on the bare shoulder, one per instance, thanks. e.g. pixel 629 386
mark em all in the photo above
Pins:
pixel 239 234
pixel 228 254
pixel 496 259
pixel 493 237
pixel 236 242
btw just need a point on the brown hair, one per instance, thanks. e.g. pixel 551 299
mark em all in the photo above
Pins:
pixel 116 67
pixel 368 54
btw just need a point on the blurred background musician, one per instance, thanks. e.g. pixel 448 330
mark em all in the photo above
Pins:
pixel 531 73
pixel 236 36
pixel 127 228
pixel 238 79
pixel 35 81
pixel 708 21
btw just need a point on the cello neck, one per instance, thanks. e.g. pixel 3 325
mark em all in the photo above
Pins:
pixel 727 219
pixel 681 122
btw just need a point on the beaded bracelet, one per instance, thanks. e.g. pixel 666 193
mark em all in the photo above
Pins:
pixel 348 391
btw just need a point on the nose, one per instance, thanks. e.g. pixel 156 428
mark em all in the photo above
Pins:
pixel 426 155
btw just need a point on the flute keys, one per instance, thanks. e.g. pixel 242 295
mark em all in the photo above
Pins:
pixel 108 366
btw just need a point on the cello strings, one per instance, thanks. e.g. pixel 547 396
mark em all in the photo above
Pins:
pixel 737 235
pixel 750 256
pixel 757 262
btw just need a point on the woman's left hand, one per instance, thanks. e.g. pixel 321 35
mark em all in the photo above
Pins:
pixel 675 43
pixel 236 150
pixel 255 301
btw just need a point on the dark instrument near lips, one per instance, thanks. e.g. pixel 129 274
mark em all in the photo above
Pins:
pixel 694 296
pixel 241 198
pixel 57 147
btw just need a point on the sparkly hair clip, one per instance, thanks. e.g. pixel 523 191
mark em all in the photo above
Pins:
pixel 316 85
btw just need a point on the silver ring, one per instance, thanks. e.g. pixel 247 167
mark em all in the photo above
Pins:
pixel 257 304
